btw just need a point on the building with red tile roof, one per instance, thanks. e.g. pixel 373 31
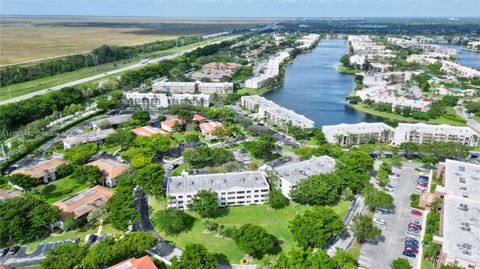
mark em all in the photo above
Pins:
pixel 148 131
pixel 208 127
pixel 81 203
pixel 141 263
pixel 110 169
pixel 45 170
pixel 167 125
pixel 198 118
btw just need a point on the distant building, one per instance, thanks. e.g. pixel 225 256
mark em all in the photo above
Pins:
pixel 161 100
pixel 110 169
pixel 269 111
pixel 46 170
pixel 427 133
pixel 233 189
pixel 97 137
pixel 167 125
pixel 111 122
pixel 193 87
pixel 460 70
pixel 207 128
pixel 215 87
pixel 83 202
pixel 216 71
pixel 141 263
pixel 402 102
pixel 290 175
pixel 359 133
pixel 148 131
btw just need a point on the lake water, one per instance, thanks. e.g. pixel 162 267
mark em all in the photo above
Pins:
pixel 313 87
pixel 467 57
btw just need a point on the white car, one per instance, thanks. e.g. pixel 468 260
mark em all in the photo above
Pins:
pixel 416 222
pixel 420 187
pixel 381 222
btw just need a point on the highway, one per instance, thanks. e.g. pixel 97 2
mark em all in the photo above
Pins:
pixel 106 74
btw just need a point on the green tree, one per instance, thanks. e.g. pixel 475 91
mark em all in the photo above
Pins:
pixel 87 174
pixel 204 203
pixel 26 182
pixel 410 148
pixel 70 224
pixel 253 239
pixel 141 116
pixel 322 189
pixel 64 170
pixel 25 218
pixel 194 256
pixel 262 148
pixel 80 154
pixel 121 206
pixel 400 263
pixel 192 137
pixel 277 200
pixel 375 198
pixel 353 168
pixel 363 228
pixel 315 227
pixel 172 221
pixel 64 256
pixel 121 137
pixel 150 178
pixel 451 266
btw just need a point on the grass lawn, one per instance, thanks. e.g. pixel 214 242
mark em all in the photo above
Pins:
pixel 78 233
pixel 348 70
pixel 177 171
pixel 441 120
pixel 111 150
pixel 426 264
pixel 250 91
pixel 178 137
pixel 44 83
pixel 274 221
pixel 355 249
pixel 61 189
pixel 31 267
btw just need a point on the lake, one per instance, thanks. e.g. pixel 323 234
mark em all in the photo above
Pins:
pixel 467 57
pixel 313 87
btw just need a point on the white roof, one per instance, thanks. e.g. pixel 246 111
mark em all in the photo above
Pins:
pixel 438 129
pixel 357 128
pixel 295 172
pixel 462 177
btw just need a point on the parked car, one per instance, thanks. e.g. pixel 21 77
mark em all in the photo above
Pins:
pixel 91 238
pixel 420 187
pixel 386 210
pixel 416 212
pixel 415 226
pixel 13 251
pixel 413 230
pixel 411 239
pixel 391 188
pixel 409 254
pixel 4 251
pixel 412 250
pixel 411 244
pixel 416 222
pixel 379 221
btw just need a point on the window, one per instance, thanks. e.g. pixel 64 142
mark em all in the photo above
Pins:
pixel 223 193
pixel 249 196
pixel 180 197
pixel 249 191
pixel 231 192
pixel 240 197
pixel 240 192
pixel 256 190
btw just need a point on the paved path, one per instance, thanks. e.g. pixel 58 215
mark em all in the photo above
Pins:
pixel 102 75
pixel 379 253
pixel 470 121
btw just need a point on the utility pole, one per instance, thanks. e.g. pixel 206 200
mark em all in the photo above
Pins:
pixel 95 61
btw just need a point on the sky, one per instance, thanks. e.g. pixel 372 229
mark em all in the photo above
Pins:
pixel 245 8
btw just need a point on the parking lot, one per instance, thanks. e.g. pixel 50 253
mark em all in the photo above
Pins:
pixel 22 258
pixel 380 253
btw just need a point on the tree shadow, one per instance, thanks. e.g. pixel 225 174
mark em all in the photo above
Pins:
pixel 221 258
pixel 222 212
pixel 277 246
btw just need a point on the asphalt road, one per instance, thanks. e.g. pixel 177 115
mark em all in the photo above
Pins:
pixel 470 121
pixel 378 254
pixel 98 76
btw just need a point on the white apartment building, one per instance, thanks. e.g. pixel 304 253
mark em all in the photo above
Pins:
pixel 291 174
pixel 359 133
pixel 427 133
pixel 215 87
pixel 161 100
pixel 174 87
pixel 402 102
pixel 233 189
pixel 97 137
pixel 459 70
pixel 460 225
pixel 269 69
pixel 193 87
pixel 272 113
pixel 307 41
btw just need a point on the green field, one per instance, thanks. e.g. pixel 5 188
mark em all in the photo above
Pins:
pixel 274 221
pixel 61 189
pixel 388 115
pixel 19 89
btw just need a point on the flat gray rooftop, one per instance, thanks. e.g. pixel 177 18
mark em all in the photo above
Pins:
pixel 216 182
pixel 461 228
pixel 295 172
pixel 462 177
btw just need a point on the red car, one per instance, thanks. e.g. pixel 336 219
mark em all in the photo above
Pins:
pixel 415 226
pixel 416 212
pixel 411 250
pixel 422 184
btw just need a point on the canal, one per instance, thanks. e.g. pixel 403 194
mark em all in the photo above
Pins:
pixel 313 87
